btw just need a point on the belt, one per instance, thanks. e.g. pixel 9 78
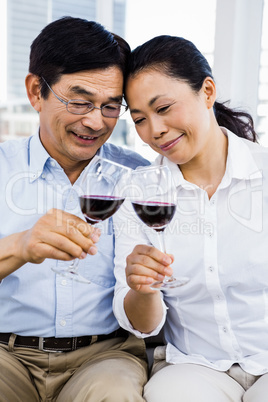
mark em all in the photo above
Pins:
pixel 60 344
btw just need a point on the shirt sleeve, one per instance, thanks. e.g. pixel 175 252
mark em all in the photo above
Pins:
pixel 128 233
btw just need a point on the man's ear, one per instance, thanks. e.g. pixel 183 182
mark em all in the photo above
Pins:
pixel 209 89
pixel 32 84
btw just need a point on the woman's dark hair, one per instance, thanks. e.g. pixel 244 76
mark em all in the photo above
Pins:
pixel 179 58
pixel 69 45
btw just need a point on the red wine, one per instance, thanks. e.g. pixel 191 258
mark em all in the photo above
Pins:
pixel 154 214
pixel 99 207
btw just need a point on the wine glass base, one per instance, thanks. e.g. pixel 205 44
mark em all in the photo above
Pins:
pixel 71 274
pixel 170 283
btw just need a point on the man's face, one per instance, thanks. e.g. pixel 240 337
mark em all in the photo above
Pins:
pixel 74 139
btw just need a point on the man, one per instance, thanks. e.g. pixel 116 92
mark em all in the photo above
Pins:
pixel 59 339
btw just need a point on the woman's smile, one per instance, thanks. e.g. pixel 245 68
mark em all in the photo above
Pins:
pixel 170 144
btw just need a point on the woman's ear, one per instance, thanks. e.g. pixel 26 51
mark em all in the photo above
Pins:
pixel 209 89
pixel 32 84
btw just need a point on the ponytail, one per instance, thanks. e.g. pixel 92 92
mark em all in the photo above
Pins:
pixel 239 122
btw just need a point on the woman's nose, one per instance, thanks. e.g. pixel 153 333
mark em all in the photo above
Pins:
pixel 158 127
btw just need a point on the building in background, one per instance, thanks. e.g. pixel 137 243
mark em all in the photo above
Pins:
pixel 241 58
pixel 23 22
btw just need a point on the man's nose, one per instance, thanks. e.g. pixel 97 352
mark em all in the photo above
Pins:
pixel 94 119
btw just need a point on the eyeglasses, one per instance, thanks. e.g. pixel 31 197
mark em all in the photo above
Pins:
pixel 79 106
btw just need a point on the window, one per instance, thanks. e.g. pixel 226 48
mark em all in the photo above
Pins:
pixel 262 112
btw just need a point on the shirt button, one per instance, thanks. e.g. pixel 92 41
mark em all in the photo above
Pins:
pixel 62 323
pixel 43 176
pixel 224 329
pixel 64 282
pixel 211 269
pixel 52 163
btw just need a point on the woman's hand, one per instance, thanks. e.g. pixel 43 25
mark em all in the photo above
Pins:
pixel 145 265
pixel 143 305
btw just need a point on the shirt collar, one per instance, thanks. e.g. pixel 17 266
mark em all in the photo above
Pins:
pixel 38 157
pixel 240 163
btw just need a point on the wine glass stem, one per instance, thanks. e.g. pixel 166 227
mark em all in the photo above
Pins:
pixel 73 267
pixel 162 242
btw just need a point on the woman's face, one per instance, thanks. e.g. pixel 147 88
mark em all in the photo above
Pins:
pixel 169 116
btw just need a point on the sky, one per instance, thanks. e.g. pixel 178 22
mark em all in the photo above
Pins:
pixel 193 19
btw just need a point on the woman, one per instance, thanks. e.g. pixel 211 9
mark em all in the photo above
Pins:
pixel 216 325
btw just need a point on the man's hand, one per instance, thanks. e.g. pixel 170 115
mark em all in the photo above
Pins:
pixel 58 235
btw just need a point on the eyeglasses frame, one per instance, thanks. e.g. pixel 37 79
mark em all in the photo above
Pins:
pixel 89 103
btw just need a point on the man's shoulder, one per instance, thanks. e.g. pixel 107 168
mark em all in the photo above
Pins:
pixel 124 156
pixel 14 157
pixel 11 148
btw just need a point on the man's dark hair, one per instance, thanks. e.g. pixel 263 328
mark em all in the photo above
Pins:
pixel 69 45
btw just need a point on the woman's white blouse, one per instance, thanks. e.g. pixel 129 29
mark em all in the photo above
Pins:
pixel 221 316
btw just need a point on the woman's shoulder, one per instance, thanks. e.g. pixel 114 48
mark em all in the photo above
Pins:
pixel 260 155
pixel 256 147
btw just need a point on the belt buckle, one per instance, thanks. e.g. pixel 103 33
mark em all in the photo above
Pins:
pixel 41 346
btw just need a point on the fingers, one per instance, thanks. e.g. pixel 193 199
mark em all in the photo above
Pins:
pixel 76 234
pixel 64 248
pixel 49 251
pixel 152 258
pixel 64 222
pixel 59 235
pixel 146 265
pixel 74 229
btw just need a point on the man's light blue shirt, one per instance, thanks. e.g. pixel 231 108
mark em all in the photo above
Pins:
pixel 34 300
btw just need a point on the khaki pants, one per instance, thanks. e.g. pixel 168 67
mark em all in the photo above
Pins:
pixel 196 383
pixel 113 370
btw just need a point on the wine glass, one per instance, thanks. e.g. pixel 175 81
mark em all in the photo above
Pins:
pixel 153 197
pixel 100 196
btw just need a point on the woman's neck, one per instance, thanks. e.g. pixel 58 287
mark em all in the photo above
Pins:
pixel 208 168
